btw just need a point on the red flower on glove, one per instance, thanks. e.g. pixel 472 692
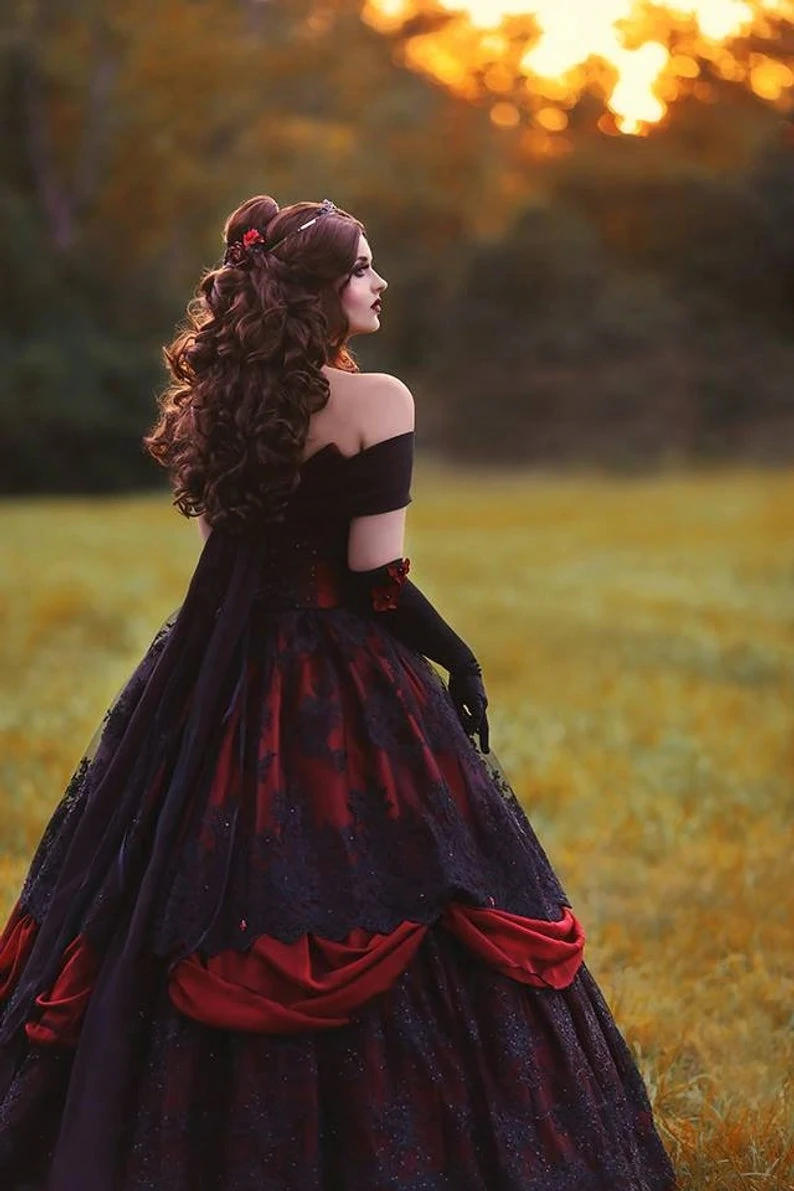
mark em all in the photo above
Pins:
pixel 385 596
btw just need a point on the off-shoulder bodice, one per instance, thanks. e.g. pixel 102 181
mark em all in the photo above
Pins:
pixel 374 480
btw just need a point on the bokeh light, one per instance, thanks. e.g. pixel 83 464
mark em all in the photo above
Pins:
pixel 652 52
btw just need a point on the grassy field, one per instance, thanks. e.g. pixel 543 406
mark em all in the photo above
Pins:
pixel 637 638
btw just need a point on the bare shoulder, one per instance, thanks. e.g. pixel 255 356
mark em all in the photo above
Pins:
pixel 385 406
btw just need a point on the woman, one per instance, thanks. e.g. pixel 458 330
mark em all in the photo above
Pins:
pixel 288 927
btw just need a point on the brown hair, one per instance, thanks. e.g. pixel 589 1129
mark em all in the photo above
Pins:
pixel 246 371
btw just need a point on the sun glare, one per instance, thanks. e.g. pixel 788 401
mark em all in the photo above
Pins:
pixel 642 54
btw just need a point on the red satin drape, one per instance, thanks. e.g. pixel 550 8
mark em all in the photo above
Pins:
pixel 277 987
pixel 16 944
pixel 309 984
pixel 60 1011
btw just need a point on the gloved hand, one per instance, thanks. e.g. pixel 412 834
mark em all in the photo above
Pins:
pixel 468 694
pixel 387 592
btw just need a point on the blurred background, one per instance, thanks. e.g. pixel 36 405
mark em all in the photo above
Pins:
pixel 585 211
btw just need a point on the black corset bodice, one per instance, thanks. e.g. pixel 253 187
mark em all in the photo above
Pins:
pixel 304 558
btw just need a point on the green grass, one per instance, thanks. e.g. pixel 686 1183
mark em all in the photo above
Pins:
pixel 637 639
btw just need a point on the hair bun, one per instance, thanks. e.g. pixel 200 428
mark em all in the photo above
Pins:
pixel 257 212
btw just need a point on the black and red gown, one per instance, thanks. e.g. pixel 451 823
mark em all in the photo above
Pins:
pixel 289 929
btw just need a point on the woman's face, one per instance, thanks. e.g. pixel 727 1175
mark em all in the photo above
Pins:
pixel 360 293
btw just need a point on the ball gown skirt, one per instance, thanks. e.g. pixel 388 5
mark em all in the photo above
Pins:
pixel 288 929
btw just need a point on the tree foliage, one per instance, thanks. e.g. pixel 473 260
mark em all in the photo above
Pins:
pixel 541 311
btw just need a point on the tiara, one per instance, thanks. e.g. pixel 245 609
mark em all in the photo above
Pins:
pixel 238 251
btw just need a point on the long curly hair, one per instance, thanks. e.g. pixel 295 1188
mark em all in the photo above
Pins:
pixel 246 370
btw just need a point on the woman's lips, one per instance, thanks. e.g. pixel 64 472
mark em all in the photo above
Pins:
pixel 376 306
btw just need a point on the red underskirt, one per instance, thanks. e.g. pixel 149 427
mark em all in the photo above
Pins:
pixel 310 984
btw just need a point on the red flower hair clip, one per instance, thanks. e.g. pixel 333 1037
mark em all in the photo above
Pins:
pixel 385 596
pixel 237 252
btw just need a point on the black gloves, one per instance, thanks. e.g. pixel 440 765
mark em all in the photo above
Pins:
pixel 468 694
pixel 412 619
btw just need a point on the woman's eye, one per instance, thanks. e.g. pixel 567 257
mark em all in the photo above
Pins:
pixel 361 270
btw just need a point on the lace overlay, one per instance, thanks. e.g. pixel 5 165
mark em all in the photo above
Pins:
pixel 368 832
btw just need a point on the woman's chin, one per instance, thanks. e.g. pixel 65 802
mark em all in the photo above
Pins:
pixel 372 324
